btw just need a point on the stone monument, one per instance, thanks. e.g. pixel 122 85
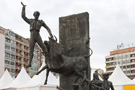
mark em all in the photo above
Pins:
pixel 74 36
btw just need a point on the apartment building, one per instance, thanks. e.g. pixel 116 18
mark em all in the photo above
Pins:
pixel 15 53
pixel 125 58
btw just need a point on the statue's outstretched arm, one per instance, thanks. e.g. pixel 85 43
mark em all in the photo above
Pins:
pixel 23 14
pixel 48 29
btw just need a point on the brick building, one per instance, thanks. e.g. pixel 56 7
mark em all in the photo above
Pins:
pixel 125 58
pixel 15 53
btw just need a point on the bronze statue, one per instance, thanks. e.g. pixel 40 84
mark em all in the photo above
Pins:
pixel 60 63
pixel 96 83
pixel 35 25
pixel 107 84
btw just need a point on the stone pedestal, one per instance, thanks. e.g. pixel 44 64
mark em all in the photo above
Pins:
pixel 74 36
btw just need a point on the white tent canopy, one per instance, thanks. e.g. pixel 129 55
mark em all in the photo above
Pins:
pixel 118 77
pixel 22 78
pixel 132 82
pixel 52 80
pixel 38 80
pixel 5 80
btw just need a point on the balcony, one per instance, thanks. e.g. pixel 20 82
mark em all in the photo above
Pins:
pixel 13 52
pixel 110 71
pixel 132 74
pixel 128 74
pixel 125 64
pixel 128 68
pixel 12 66
pixel 132 63
pixel 13 45
pixel 111 66
pixel 18 67
pixel 18 60
pixel 132 57
pixel 110 61
pixel 132 68
pixel 19 54
pixel 20 48
pixel 18 64
pixel 26 57
pixel 7 65
pixel 26 50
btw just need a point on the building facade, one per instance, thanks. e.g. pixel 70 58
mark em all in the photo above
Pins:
pixel 125 58
pixel 15 53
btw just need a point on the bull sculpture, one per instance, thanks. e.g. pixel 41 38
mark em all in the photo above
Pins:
pixel 62 64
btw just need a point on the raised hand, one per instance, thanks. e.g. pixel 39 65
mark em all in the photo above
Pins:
pixel 23 4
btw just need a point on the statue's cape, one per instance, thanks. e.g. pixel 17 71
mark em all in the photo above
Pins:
pixel 55 51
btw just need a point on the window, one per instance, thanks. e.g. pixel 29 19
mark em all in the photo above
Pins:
pixel 132 55
pixel 7 54
pixel 12 63
pixel 133 66
pixel 120 62
pixel 12 49
pixel 114 58
pixel 12 70
pixel 117 57
pixel 35 53
pixel 120 57
pixel 6 62
pixel 11 33
pixel 124 61
pixel 110 59
pixel 133 60
pixel 124 56
pixel 121 67
pixel 12 56
pixel 12 41
pixel 107 59
pixel 128 71
pixel 128 66
pixel 128 61
pixel 124 67
pixel 7 40
pixel 7 47
pixel 128 56
pixel 133 71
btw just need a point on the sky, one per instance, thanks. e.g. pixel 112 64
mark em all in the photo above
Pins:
pixel 112 22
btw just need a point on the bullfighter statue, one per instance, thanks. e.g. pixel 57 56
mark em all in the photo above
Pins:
pixel 35 25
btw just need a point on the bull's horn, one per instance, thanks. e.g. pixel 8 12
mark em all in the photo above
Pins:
pixel 55 38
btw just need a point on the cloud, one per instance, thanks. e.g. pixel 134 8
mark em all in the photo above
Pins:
pixel 111 21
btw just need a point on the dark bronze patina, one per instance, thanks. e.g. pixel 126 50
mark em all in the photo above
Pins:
pixel 35 25
pixel 62 64
pixel 107 85
pixel 96 83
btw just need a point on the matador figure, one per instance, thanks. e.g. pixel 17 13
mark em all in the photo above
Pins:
pixel 35 25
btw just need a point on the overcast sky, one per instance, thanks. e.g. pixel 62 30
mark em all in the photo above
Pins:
pixel 112 22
